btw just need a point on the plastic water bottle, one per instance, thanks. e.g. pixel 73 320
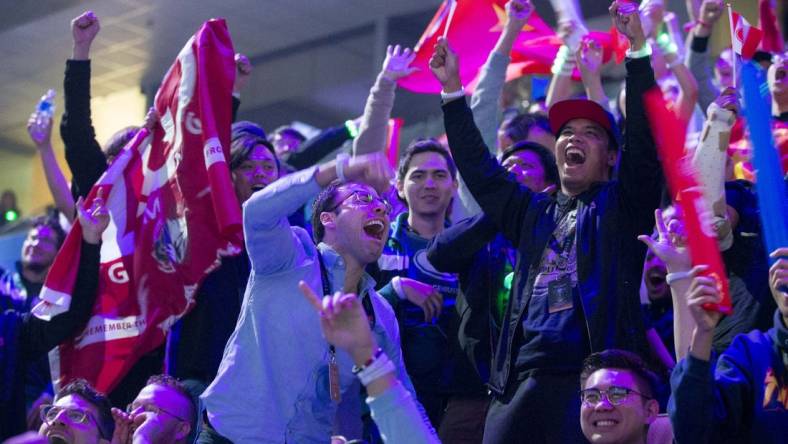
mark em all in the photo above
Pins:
pixel 45 108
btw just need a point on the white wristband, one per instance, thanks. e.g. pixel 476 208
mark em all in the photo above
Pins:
pixel 677 276
pixel 340 163
pixel 452 95
pixel 645 51
pixel 381 366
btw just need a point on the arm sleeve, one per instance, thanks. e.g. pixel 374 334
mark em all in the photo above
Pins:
pixel 501 198
pixel 708 404
pixel 318 147
pixel 399 419
pixel 487 116
pixel 37 336
pixel 640 174
pixel 373 132
pixel 83 153
pixel 453 250
pixel 698 63
pixel 266 228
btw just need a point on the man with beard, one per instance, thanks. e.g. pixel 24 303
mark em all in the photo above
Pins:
pixel 279 380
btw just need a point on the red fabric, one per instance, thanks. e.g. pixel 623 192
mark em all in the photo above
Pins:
pixel 767 20
pixel 474 29
pixel 688 193
pixel 745 37
pixel 173 215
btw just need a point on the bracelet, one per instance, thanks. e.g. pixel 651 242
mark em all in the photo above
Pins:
pixel 563 64
pixel 380 366
pixel 670 278
pixel 340 164
pixel 352 129
pixel 645 51
pixel 375 355
pixel 702 23
pixel 452 95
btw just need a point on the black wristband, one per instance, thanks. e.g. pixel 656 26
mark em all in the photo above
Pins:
pixel 699 44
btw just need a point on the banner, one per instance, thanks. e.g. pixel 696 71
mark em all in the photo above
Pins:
pixel 173 215
pixel 687 193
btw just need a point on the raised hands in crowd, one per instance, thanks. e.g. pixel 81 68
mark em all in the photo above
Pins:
pixel 83 30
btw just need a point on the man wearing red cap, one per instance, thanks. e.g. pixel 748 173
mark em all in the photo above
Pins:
pixel 576 281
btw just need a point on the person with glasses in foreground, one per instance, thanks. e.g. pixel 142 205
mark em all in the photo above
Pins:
pixel 162 413
pixel 79 415
pixel 279 380
pixel 617 398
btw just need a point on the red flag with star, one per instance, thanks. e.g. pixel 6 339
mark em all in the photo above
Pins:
pixel 473 31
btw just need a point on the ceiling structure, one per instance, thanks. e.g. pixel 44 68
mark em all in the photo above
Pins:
pixel 314 60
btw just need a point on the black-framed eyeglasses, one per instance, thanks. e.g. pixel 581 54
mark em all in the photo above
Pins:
pixel 151 408
pixel 363 198
pixel 615 395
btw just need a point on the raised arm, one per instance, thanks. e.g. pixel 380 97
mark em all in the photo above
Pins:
pixel 485 101
pixel 83 153
pixel 56 181
pixel 562 86
pixel 243 71
pixel 640 173
pixel 698 59
pixel 373 130
pixel 453 249
pixel 266 228
pixel 38 336
pixel 589 60
pixel 499 195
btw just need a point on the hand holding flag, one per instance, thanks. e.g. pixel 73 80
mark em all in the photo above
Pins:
pixel 445 66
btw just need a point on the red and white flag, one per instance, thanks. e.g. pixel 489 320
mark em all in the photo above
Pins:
pixel 173 215
pixel 745 38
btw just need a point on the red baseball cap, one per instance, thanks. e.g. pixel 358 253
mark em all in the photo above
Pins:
pixel 562 112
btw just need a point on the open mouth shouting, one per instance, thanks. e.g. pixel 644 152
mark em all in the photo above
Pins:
pixel 574 156
pixel 376 229
pixel 605 423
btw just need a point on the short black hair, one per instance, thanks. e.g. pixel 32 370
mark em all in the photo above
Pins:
pixel 286 130
pixel 546 158
pixel 175 384
pixel 51 222
pixel 625 360
pixel 324 202
pixel 84 390
pixel 419 146
pixel 245 136
pixel 117 141
pixel 519 127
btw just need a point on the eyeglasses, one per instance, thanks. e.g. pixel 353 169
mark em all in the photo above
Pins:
pixel 362 198
pixel 614 395
pixel 151 408
pixel 50 412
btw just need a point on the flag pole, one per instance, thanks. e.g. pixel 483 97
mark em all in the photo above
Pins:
pixel 734 59
pixel 451 17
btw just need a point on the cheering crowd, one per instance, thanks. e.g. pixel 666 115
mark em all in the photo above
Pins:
pixel 564 274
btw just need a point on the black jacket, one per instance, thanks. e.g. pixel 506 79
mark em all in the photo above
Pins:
pixel 610 216
pixel 25 338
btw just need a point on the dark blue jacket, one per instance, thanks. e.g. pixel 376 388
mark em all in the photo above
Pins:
pixel 610 216
pixel 741 399
pixel 25 338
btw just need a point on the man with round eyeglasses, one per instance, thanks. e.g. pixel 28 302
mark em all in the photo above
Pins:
pixel 162 413
pixel 617 398
pixel 79 415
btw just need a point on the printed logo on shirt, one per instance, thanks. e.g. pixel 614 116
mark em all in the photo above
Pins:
pixel 424 266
